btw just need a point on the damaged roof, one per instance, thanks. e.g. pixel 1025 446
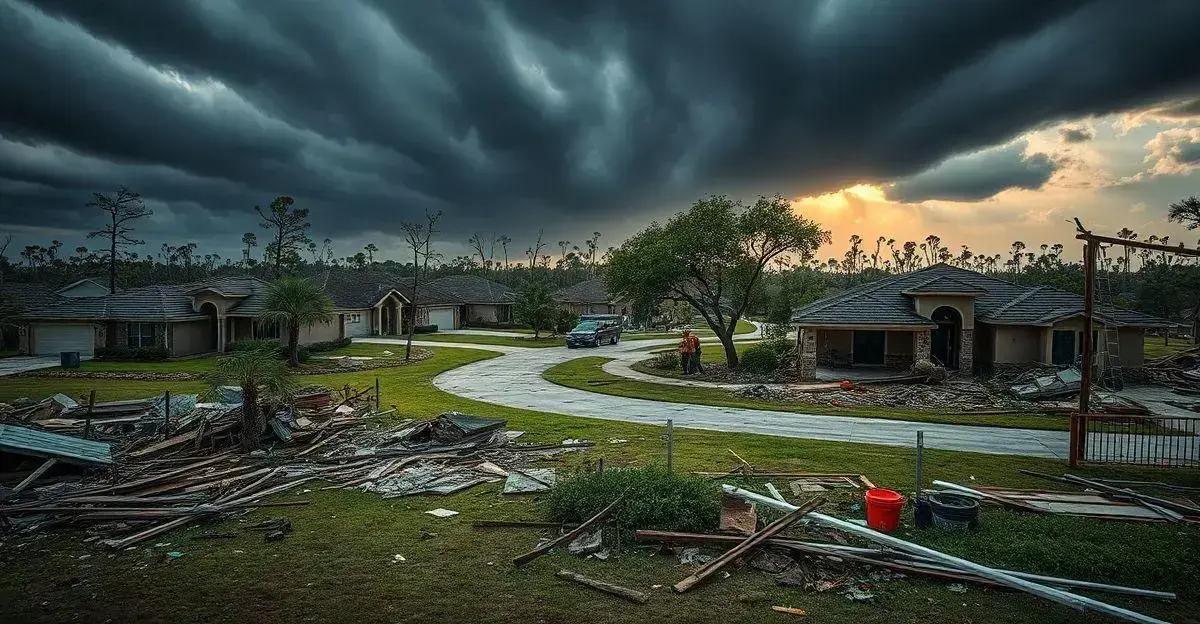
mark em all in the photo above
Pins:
pixel 26 441
pixel 889 302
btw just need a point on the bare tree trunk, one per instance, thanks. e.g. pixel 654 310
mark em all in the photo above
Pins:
pixel 112 260
pixel 294 345
pixel 251 420
pixel 412 323
pixel 731 354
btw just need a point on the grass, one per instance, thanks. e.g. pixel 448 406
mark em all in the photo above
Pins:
pixel 582 372
pixel 509 341
pixel 743 327
pixel 337 565
pixel 1154 348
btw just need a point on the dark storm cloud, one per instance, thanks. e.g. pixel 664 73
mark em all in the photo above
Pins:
pixel 976 176
pixel 1075 135
pixel 512 116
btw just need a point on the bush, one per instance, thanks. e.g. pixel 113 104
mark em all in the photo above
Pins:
pixel 147 354
pixel 304 352
pixel 328 345
pixel 256 345
pixel 667 360
pixel 654 499
pixel 760 359
pixel 781 347
pixel 565 321
pixel 775 331
pixel 425 329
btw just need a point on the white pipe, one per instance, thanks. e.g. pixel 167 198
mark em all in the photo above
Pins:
pixel 1052 580
pixel 1083 603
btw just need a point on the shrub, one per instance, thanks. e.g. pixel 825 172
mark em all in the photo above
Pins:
pixel 146 354
pixel 328 345
pixel 781 347
pixel 667 360
pixel 775 331
pixel 255 345
pixel 565 321
pixel 654 499
pixel 425 329
pixel 760 359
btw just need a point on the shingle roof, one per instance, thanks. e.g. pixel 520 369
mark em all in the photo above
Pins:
pixel 150 303
pixel 590 291
pixel 997 301
pixel 28 296
pixel 469 289
pixel 355 289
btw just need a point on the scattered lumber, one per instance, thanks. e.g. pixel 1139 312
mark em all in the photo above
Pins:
pixel 608 588
pixel 569 536
pixel 748 545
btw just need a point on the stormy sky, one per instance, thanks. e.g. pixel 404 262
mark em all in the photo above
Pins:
pixel 968 118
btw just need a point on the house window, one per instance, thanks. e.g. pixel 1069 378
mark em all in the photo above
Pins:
pixel 141 335
pixel 355 317
pixel 264 330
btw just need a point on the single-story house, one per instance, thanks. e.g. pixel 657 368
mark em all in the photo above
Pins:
pixel 186 319
pixel 456 301
pixel 591 297
pixel 961 319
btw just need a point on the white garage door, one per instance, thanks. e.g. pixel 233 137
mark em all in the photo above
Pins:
pixel 442 317
pixel 50 338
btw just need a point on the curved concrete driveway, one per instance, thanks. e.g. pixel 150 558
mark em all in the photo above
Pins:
pixel 515 379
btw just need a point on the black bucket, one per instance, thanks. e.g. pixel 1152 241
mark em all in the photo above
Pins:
pixel 922 512
pixel 954 511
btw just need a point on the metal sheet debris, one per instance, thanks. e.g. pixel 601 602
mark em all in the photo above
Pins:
pixel 530 480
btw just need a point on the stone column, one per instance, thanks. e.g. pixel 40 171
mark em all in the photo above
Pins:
pixel 922 344
pixel 808 353
pixel 966 350
pixel 23 345
pixel 221 330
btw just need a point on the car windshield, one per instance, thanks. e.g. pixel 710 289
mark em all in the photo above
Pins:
pixel 586 326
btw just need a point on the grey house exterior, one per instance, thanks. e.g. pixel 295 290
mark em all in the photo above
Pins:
pixel 590 297
pixel 959 318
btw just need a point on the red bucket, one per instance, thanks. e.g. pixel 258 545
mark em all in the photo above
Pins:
pixel 883 509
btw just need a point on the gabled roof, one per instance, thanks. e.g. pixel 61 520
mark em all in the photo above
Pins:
pixel 466 289
pixel 29 295
pixel 148 304
pixel 590 291
pixel 887 302
pixel 359 289
pixel 83 282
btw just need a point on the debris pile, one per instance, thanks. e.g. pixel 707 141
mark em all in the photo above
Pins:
pixel 956 395
pixel 1180 371
pixel 158 464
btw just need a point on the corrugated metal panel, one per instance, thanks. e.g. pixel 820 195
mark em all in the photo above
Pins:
pixel 27 441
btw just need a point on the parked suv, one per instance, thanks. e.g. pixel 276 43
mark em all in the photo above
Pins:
pixel 594 331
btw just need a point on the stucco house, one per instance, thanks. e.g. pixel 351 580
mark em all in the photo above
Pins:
pixel 961 319
pixel 590 297
pixel 456 301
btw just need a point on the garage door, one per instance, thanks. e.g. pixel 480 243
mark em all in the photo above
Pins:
pixel 50 339
pixel 442 317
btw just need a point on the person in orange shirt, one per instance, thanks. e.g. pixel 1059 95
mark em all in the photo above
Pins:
pixel 687 350
pixel 697 367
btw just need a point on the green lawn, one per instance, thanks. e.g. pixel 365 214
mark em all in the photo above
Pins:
pixel 510 341
pixel 338 564
pixel 743 327
pixel 583 372
pixel 1154 348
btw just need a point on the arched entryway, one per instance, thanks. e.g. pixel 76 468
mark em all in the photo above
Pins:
pixel 944 341
pixel 210 309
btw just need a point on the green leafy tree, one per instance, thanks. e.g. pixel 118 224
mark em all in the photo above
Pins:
pixel 370 249
pixel 261 375
pixel 295 302
pixel 713 257
pixel 1186 211
pixel 674 313
pixel 535 307
pixel 290 226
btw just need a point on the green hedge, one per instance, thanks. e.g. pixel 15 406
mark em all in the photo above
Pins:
pixel 761 359
pixel 654 499
pixel 147 354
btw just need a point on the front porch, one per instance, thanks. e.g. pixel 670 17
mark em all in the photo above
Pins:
pixel 831 352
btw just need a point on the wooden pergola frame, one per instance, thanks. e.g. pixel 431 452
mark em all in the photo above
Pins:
pixel 1091 247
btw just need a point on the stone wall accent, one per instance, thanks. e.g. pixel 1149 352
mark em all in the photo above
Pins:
pixel 121 337
pixel 23 338
pixel 160 335
pixel 101 339
pixel 924 344
pixel 893 360
pixel 808 354
pixel 966 350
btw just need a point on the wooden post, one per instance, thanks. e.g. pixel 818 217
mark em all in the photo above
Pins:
pixel 87 420
pixel 378 398
pixel 670 445
pixel 1089 286
pixel 167 412
pixel 600 466
pixel 920 446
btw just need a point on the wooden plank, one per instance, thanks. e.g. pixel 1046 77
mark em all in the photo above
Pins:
pixel 747 546
pixel 570 536
pixel 608 588
pixel 33 476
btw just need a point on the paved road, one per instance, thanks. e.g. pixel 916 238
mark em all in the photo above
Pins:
pixel 22 363
pixel 515 379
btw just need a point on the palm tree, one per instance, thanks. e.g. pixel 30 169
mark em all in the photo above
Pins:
pixel 258 370
pixel 370 249
pixel 295 302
